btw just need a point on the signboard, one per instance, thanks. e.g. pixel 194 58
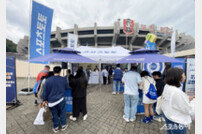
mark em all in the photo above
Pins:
pixel 128 26
pixel 149 45
pixel 94 78
pixel 72 40
pixel 41 20
pixel 68 99
pixel 151 67
pixel 11 95
pixel 179 65
pixel 190 77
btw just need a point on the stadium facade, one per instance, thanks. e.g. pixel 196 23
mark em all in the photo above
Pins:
pixel 106 36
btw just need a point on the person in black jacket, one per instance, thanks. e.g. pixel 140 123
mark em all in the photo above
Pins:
pixel 159 86
pixel 78 83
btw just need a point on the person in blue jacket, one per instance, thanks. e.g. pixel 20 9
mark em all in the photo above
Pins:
pixel 117 76
pixel 54 95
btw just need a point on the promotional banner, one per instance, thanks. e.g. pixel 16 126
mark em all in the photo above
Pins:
pixel 11 95
pixel 68 99
pixel 72 41
pixel 41 20
pixel 180 65
pixel 172 47
pixel 149 45
pixel 190 77
pixel 151 67
pixel 128 26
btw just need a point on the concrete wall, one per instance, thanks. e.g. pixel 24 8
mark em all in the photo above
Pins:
pixel 22 68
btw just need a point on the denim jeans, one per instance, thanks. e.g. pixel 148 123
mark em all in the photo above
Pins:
pixel 59 114
pixel 114 85
pixel 174 128
pixel 130 107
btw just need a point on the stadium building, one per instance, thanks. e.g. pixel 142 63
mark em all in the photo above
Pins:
pixel 106 36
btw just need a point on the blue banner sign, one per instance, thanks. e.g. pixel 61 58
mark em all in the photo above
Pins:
pixel 41 20
pixel 180 65
pixel 151 46
pixel 11 95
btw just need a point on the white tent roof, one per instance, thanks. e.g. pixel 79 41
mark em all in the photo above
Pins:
pixel 103 55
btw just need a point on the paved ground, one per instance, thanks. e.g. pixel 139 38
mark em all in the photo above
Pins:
pixel 105 113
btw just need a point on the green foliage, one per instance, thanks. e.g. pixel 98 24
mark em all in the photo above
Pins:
pixel 10 46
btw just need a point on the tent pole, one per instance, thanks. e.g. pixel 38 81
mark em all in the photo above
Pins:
pixel 100 75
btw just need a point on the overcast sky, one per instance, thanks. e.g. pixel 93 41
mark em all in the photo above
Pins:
pixel 170 13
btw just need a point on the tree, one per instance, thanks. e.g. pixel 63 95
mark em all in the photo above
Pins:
pixel 10 46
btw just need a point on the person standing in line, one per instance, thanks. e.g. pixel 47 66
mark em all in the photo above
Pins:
pixel 131 81
pixel 88 71
pixel 42 73
pixel 79 85
pixel 43 80
pixel 176 106
pixel 117 76
pixel 148 103
pixel 54 95
pixel 110 75
pixel 159 86
pixel 105 75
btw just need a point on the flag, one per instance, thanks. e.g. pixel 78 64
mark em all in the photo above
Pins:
pixel 41 20
pixel 72 41
pixel 172 45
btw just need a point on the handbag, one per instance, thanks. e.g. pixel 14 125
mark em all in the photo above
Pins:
pixel 152 94
pixel 39 118
pixel 158 105
pixel 47 115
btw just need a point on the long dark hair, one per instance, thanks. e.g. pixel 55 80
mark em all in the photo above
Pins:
pixel 174 76
pixel 82 78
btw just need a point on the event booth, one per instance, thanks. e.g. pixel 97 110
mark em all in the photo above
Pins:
pixel 146 57
pixel 64 55
pixel 102 55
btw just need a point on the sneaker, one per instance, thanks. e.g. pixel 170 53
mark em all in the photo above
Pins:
pixel 113 92
pixel 55 130
pixel 145 120
pixel 157 119
pixel 64 127
pixel 118 93
pixel 132 120
pixel 85 117
pixel 126 119
pixel 72 118
pixel 162 119
pixel 151 119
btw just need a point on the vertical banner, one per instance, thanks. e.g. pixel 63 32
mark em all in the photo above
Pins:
pixel 11 95
pixel 72 41
pixel 190 77
pixel 180 65
pixel 41 20
pixel 128 26
pixel 172 45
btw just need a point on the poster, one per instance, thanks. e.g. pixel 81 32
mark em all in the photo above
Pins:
pixel 190 77
pixel 11 95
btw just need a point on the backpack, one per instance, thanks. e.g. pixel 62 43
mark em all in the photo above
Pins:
pixel 152 94
pixel 37 87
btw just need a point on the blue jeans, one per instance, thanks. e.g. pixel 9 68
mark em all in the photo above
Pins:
pixel 59 114
pixel 174 128
pixel 130 107
pixel 114 85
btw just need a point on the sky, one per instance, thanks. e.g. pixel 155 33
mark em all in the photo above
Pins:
pixel 169 13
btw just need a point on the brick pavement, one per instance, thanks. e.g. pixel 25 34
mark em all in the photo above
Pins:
pixel 105 113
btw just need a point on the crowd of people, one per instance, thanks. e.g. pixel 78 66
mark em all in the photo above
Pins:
pixel 176 108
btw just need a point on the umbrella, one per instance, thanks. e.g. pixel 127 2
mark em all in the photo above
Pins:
pixel 146 56
pixel 63 55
